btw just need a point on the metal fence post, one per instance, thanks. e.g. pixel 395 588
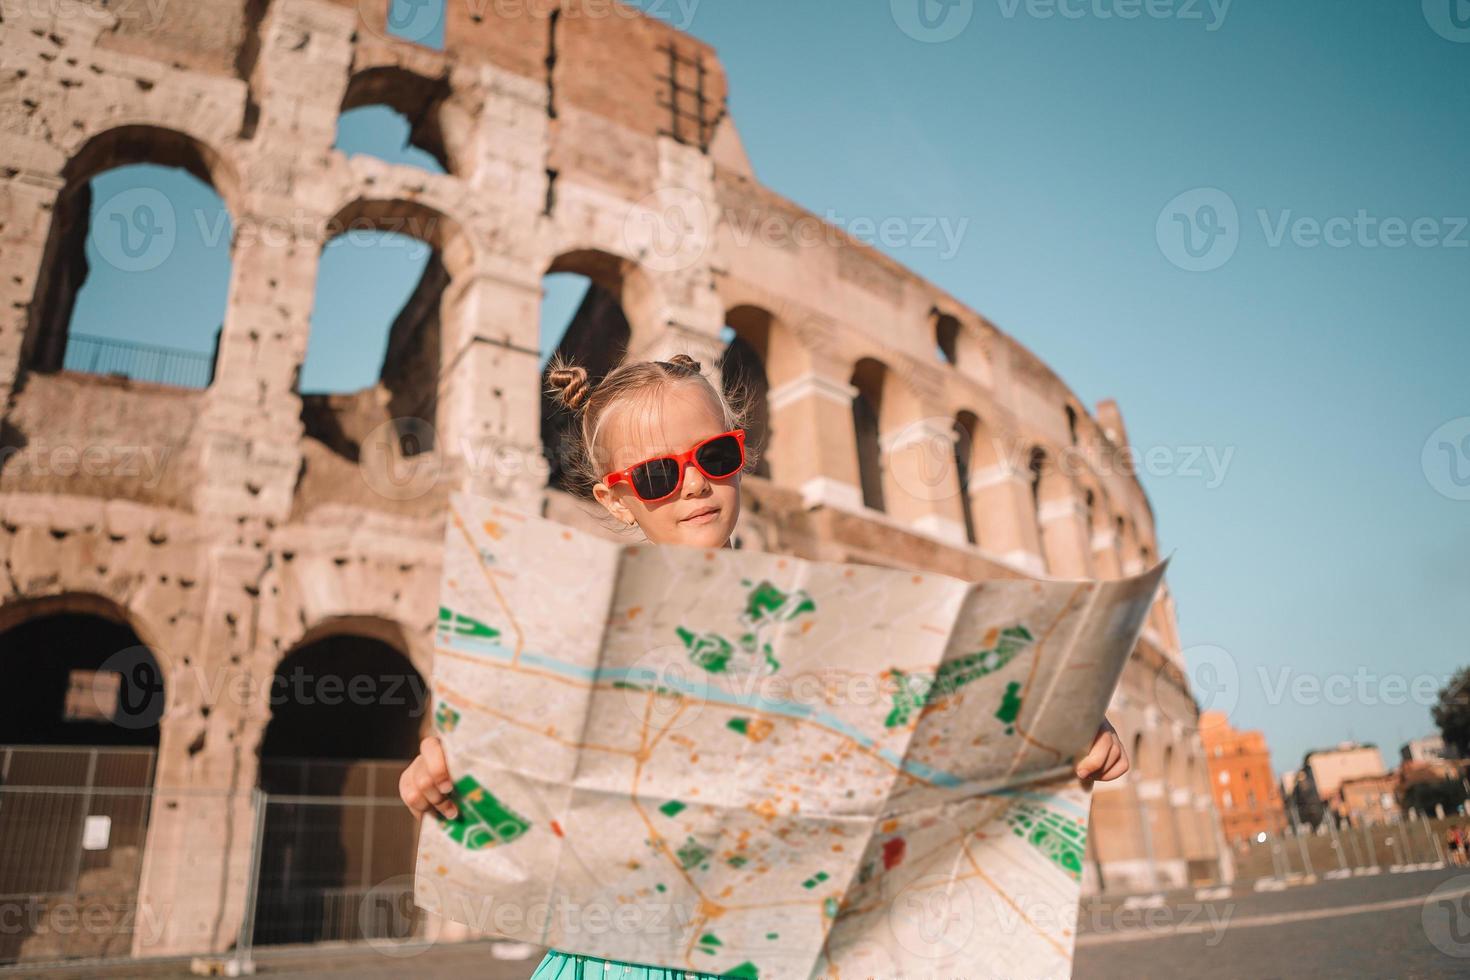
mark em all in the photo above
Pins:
pixel 243 960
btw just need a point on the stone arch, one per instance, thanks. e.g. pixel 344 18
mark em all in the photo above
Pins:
pixel 348 710
pixel 1052 497
pixel 423 102
pixel 413 350
pixel 617 307
pixel 97 681
pixel 64 266
pixel 871 378
pixel 744 378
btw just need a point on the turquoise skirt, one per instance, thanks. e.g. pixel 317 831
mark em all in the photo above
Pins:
pixel 571 966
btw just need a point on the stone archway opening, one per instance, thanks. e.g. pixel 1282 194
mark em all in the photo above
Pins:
pixel 79 731
pixel 347 713
pixel 136 272
pixel 587 299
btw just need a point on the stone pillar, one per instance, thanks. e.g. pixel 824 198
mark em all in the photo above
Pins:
pixel 921 481
pixel 262 345
pixel 1105 560
pixel 1065 537
pixel 813 443
pixel 488 421
pixel 1004 520
pixel 196 860
pixel 27 203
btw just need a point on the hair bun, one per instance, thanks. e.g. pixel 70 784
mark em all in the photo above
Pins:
pixel 570 386
pixel 685 361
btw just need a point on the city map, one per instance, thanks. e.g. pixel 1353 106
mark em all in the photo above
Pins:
pixel 759 766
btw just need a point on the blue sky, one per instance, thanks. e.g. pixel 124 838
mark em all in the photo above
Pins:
pixel 1323 575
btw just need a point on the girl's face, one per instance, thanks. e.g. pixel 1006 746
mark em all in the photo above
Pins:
pixel 702 512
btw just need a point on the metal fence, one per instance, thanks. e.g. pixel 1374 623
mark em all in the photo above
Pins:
pixel 312 867
pixel 1331 850
pixel 139 362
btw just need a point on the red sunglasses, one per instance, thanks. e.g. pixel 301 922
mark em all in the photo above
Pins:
pixel 661 476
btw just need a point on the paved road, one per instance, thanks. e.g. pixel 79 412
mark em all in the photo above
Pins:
pixel 1409 926
pixel 1404 925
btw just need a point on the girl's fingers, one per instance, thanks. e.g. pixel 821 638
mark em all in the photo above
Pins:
pixel 408 791
pixel 430 791
pixel 1096 756
pixel 436 766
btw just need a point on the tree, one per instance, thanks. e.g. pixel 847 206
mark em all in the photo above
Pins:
pixel 1452 713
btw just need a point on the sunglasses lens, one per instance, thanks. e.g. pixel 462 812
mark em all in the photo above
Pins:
pixel 720 457
pixel 656 478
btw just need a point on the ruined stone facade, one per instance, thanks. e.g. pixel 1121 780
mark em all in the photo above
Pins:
pixel 277 520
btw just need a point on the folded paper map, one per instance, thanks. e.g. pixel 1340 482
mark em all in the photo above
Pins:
pixel 759 766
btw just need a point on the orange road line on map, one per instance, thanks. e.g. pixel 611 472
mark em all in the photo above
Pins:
pixel 965 848
pixel 494 586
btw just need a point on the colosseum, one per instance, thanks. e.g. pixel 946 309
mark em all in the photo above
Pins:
pixel 183 541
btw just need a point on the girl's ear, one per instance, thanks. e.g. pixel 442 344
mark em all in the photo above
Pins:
pixel 614 506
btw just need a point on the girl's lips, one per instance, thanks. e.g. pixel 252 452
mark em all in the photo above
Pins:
pixel 702 518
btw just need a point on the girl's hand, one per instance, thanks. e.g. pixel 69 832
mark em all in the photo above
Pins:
pixel 1106 759
pixel 425 784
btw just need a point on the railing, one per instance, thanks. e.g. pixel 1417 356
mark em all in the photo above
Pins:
pixel 139 362
pixel 331 864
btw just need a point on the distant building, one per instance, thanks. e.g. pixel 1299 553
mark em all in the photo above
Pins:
pixel 1246 792
pixel 1367 799
pixel 1423 749
pixel 1325 770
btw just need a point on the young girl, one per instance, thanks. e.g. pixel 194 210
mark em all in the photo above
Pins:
pixel 642 411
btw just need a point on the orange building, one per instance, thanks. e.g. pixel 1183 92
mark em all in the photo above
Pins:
pixel 1246 792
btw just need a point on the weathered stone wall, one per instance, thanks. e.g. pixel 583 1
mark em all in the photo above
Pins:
pixel 271 519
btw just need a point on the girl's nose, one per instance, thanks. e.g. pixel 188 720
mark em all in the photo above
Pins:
pixel 694 480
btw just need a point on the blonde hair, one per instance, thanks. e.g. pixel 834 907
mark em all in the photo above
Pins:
pixel 591 402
